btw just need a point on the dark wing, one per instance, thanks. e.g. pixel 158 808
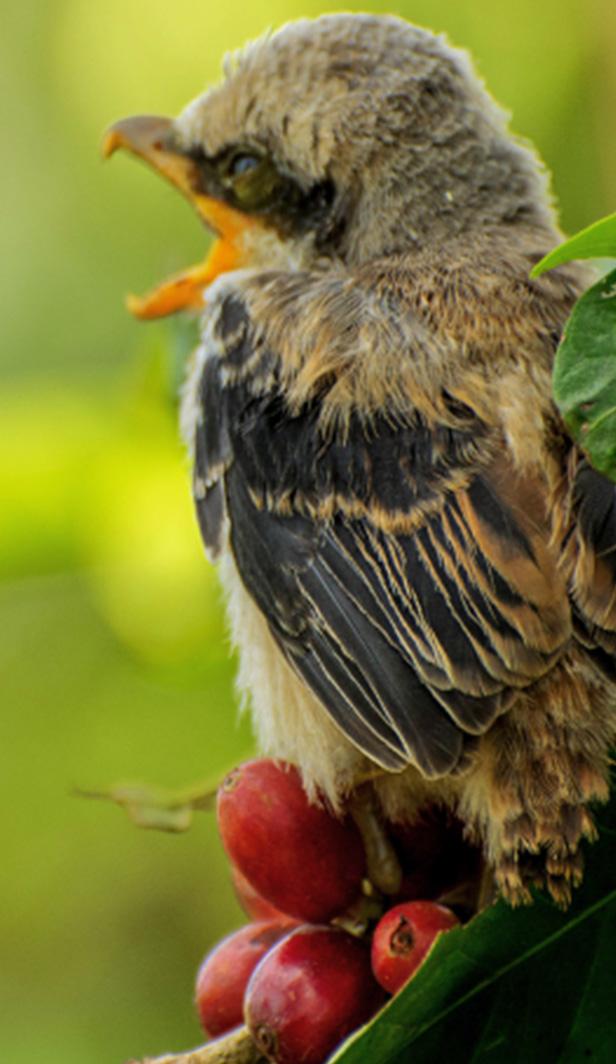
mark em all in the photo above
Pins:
pixel 406 577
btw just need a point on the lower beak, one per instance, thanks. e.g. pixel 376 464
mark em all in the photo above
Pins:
pixel 151 138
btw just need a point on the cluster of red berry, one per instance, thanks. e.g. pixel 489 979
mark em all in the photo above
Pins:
pixel 296 976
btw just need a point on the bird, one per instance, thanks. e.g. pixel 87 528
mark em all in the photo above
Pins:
pixel 419 562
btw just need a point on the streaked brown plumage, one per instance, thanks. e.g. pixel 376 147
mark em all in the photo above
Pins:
pixel 418 561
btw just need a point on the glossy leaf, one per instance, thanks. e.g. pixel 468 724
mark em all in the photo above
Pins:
pixel 585 374
pixel 597 241
pixel 521 986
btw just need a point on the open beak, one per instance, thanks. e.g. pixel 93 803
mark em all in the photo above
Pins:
pixel 151 138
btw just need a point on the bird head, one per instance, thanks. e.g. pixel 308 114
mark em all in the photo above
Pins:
pixel 343 138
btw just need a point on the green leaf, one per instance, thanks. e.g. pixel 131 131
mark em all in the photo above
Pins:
pixel 585 374
pixel 597 241
pixel 514 986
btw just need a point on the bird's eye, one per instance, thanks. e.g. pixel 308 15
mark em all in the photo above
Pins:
pixel 242 164
pixel 252 180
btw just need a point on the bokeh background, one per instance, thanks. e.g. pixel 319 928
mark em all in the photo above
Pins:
pixel 113 657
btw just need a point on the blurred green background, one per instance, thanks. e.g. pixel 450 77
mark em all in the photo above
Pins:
pixel 113 654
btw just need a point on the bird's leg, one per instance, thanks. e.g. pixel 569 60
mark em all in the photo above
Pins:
pixel 382 864
pixel 485 888
pixel 473 895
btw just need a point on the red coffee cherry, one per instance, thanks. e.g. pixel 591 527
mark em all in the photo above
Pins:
pixel 224 974
pixel 308 993
pixel 402 938
pixel 296 855
pixel 251 901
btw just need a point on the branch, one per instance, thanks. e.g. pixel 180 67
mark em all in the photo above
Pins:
pixel 237 1047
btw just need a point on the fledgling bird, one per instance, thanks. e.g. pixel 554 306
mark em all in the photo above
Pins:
pixel 420 566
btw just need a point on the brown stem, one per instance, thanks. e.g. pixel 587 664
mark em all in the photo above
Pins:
pixel 237 1047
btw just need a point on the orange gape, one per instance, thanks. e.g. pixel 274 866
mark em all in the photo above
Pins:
pixel 184 290
pixel 146 136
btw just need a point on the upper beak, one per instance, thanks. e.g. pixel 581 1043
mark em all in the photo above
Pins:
pixel 151 138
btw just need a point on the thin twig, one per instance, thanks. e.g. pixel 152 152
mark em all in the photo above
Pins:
pixel 237 1047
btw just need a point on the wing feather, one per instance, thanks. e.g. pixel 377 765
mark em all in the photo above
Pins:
pixel 406 573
